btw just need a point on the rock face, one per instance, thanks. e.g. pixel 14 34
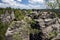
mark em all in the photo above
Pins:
pixel 45 21
pixel 17 28
pixel 49 25
pixel 7 17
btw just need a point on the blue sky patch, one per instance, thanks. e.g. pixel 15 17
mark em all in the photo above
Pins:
pixel 23 4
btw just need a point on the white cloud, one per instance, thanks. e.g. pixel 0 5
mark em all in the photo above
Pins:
pixel 36 1
pixel 2 5
pixel 19 0
pixel 15 4
pixel 36 6
pixel 7 1
pixel 12 4
pixel 52 1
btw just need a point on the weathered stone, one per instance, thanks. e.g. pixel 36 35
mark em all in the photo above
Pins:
pixel 7 17
pixel 18 26
pixel 46 22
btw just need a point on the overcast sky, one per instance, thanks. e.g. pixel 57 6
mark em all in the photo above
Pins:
pixel 23 4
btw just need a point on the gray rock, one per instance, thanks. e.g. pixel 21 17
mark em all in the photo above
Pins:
pixel 12 15
pixel 18 26
pixel 7 17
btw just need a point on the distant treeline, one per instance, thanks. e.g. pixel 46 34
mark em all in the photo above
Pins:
pixel 3 10
pixel 43 10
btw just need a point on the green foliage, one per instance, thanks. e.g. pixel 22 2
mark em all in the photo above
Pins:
pixel 29 11
pixel 54 5
pixel 51 5
pixel 33 31
pixel 2 11
pixel 19 15
pixel 33 21
pixel 52 34
pixel 57 15
pixel 17 36
pixel 3 29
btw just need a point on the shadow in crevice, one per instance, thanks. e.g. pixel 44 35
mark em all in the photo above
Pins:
pixel 37 36
pixel 35 25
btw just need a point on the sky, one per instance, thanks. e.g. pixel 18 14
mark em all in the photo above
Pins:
pixel 23 4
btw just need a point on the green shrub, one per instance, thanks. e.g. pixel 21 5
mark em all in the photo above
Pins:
pixel 3 29
pixel 19 15
pixel 17 36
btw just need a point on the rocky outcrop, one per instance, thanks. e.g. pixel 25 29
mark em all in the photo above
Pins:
pixel 17 28
pixel 7 17
pixel 46 23
pixel 49 26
